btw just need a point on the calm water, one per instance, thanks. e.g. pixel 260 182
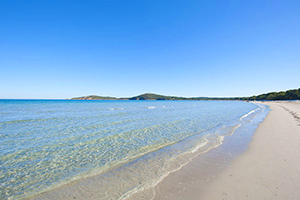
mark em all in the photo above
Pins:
pixel 48 143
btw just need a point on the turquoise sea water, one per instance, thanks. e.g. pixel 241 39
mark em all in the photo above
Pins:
pixel 48 143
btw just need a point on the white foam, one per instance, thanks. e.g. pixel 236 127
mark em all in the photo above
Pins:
pixel 164 175
pixel 116 108
pixel 249 113
pixel 201 145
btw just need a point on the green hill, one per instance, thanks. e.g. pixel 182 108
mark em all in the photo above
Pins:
pixel 94 97
pixel 283 95
pixel 151 96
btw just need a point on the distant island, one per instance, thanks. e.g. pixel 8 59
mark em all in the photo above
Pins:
pixel 283 95
pixel 146 96
pixel 94 97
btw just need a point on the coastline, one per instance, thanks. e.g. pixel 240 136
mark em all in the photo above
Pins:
pixel 268 169
pixel 104 185
pixel 246 166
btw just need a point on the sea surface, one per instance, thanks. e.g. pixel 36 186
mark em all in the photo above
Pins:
pixel 126 146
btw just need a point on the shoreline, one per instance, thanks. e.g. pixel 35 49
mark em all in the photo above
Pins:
pixel 268 169
pixel 88 188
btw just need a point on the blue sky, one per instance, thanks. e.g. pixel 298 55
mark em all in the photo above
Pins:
pixel 62 49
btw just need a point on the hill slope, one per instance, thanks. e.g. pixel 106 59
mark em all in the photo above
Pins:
pixel 94 97
pixel 283 95
pixel 151 96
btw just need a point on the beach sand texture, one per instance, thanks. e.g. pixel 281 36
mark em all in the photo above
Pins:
pixel 269 169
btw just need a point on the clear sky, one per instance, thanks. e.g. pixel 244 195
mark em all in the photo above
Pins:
pixel 69 48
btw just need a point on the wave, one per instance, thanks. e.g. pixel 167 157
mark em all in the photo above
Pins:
pixel 93 141
pixel 249 113
pixel 116 108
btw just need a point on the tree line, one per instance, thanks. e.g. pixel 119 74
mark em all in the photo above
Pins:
pixel 272 96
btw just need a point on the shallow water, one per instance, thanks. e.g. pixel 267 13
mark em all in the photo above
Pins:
pixel 126 146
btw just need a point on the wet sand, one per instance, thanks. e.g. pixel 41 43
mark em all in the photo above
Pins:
pixel 268 169
pixel 265 166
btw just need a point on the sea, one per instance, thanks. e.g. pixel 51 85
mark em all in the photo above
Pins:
pixel 113 147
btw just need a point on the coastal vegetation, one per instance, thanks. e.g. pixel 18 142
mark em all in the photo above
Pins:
pixel 283 95
pixel 94 97
pixel 151 96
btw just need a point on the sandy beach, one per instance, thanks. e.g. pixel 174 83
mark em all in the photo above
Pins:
pixel 268 169
pixel 246 166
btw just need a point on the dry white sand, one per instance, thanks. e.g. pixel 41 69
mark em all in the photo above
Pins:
pixel 269 169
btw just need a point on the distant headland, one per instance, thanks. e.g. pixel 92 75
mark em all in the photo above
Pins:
pixel 282 95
